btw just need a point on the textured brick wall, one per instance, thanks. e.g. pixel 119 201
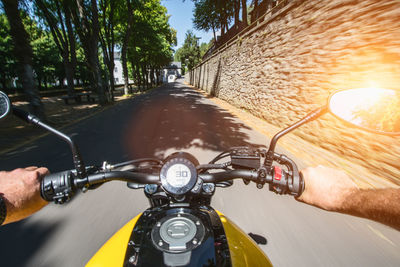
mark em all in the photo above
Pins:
pixel 290 65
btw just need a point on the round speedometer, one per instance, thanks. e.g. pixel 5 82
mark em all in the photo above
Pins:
pixel 178 175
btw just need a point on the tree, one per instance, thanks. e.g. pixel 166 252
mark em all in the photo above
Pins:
pixel 46 59
pixel 57 15
pixel 7 59
pixel 150 46
pixel 244 13
pixel 218 14
pixel 203 48
pixel 205 16
pixel 126 38
pixel 107 36
pixel 23 54
pixel 189 54
pixel 86 20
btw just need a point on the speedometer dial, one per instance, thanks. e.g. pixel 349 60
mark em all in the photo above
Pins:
pixel 178 175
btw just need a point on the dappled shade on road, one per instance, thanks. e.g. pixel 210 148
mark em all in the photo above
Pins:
pixel 177 117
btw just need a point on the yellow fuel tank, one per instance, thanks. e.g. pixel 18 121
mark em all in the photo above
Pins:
pixel 243 250
pixel 112 253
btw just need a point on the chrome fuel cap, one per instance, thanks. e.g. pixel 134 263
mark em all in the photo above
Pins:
pixel 178 233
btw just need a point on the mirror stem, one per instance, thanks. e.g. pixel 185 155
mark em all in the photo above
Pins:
pixel 78 162
pixel 309 117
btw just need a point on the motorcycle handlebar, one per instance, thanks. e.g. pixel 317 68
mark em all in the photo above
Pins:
pixel 135 177
pixel 60 187
pixel 229 175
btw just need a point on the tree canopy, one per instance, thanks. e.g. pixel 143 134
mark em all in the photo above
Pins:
pixel 191 52
pixel 218 15
pixel 77 40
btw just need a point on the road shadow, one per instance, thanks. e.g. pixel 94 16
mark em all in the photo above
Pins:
pixel 215 87
pixel 21 240
pixel 173 116
pixel 178 117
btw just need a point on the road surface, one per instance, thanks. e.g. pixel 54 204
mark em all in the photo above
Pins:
pixel 170 118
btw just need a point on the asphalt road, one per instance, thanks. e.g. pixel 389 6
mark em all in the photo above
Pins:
pixel 171 118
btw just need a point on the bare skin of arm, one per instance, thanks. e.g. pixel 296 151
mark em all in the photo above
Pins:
pixel 20 190
pixel 333 190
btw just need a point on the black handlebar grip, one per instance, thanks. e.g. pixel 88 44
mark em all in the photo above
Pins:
pixel 57 187
pixel 302 186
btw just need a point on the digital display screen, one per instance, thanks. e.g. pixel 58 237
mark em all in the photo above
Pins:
pixel 178 175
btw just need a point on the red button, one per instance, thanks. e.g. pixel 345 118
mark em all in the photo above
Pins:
pixel 278 173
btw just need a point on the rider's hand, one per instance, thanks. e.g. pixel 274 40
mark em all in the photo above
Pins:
pixel 326 188
pixel 20 190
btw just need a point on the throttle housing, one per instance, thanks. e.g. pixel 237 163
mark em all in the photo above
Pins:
pixel 58 187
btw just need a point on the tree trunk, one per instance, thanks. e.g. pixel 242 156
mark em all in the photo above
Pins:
pixel 4 84
pixel 64 39
pixel 215 37
pixel 145 77
pixel 137 75
pixel 237 11
pixel 124 49
pixel 23 53
pixel 69 74
pixel 244 13
pixel 112 81
pixel 39 80
pixel 158 76
pixel 45 82
pixel 89 36
pixel 152 76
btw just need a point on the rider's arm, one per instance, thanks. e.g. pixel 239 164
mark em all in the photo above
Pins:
pixel 20 190
pixel 333 190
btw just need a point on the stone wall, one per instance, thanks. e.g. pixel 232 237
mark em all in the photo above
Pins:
pixel 292 62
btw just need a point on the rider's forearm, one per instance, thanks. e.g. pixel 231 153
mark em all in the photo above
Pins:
pixel 381 205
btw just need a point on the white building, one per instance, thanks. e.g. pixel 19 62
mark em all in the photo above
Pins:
pixel 118 73
pixel 175 68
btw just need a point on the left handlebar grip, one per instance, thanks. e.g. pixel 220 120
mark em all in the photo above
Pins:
pixel 58 187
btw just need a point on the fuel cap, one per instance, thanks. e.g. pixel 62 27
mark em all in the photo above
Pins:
pixel 178 233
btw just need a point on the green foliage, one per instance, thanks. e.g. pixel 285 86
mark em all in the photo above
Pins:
pixel 149 47
pixel 152 39
pixel 203 48
pixel 190 53
pixel 219 14
pixel 46 58
pixel 8 62
pixel 213 14
pixel 205 15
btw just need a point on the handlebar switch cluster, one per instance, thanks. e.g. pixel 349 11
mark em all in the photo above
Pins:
pixel 58 187
pixel 261 177
pixel 279 180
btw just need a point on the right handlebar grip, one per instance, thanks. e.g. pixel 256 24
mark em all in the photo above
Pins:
pixel 57 187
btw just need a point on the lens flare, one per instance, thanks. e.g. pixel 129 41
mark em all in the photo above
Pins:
pixel 373 108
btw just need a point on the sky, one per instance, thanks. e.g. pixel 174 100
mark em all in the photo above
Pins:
pixel 181 20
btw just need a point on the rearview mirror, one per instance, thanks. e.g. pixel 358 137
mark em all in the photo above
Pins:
pixel 5 105
pixel 373 109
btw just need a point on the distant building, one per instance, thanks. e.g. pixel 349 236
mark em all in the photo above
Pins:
pixel 175 68
pixel 118 73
